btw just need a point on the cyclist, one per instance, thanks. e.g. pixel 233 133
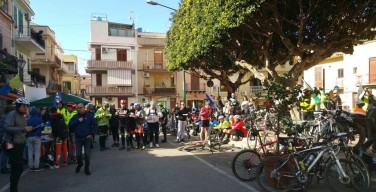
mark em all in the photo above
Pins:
pixel 163 121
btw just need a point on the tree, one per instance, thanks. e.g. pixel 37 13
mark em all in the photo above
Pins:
pixel 196 27
pixel 267 33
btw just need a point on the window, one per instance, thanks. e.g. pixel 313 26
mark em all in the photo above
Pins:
pixel 355 70
pixel 120 30
pixel 70 66
pixel 97 54
pixel 340 73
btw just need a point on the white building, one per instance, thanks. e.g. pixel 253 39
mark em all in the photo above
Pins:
pixel 347 72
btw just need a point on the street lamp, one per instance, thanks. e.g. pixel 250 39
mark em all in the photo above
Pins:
pixel 21 64
pixel 155 3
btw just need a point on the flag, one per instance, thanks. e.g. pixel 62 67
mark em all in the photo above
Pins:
pixel 210 100
pixel 58 98
pixel 314 96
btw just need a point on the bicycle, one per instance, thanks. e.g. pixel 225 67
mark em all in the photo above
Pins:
pixel 296 170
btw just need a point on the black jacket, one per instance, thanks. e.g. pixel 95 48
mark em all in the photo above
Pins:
pixel 59 129
pixel 182 114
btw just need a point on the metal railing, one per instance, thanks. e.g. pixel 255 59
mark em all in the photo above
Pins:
pixel 154 65
pixel 160 90
pixel 108 90
pixel 27 33
pixel 109 64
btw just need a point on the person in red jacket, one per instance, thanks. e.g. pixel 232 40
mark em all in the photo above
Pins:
pixel 205 115
pixel 237 129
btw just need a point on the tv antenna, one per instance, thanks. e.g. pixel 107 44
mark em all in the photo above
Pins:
pixel 132 17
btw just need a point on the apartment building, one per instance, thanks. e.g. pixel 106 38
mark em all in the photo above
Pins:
pixel 346 72
pixel 71 80
pixel 113 61
pixel 85 81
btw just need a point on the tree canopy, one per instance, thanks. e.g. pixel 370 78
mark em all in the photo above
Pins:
pixel 223 37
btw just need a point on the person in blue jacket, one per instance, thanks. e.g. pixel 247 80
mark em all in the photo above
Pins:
pixel 34 139
pixel 83 125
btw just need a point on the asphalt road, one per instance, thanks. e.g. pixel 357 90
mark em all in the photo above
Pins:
pixel 162 169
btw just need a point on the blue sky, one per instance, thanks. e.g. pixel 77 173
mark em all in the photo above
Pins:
pixel 70 19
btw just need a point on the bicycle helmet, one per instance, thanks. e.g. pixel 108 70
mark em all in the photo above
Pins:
pixel 22 101
pixel 106 104
pixel 221 117
pixel 137 105
pixel 160 104
pixel 152 103
pixel 237 117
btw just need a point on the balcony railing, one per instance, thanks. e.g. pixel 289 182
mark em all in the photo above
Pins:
pixel 27 34
pixel 160 90
pixel 256 89
pixel 8 63
pixel 154 66
pixel 108 90
pixel 195 88
pixel 104 65
pixel 37 77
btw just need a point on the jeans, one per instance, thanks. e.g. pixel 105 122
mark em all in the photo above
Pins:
pixel 86 143
pixel 3 159
pixel 16 162
pixel 34 144
pixel 181 129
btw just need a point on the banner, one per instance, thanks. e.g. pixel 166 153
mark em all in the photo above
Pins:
pixel 58 97
pixel 314 96
pixel 212 104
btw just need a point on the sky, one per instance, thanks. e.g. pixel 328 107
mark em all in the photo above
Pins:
pixel 70 19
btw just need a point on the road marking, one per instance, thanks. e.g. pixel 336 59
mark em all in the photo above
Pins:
pixel 218 170
pixel 6 187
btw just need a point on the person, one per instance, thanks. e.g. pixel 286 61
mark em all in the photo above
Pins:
pixel 237 129
pixel 114 126
pixel 234 107
pixel 123 114
pixel 15 138
pixel 337 101
pixel 46 115
pixel 227 109
pixel 139 116
pixel 91 109
pixel 60 135
pixel 131 126
pixel 4 157
pixel 182 114
pixel 68 114
pixel 220 104
pixel 212 124
pixel 152 119
pixel 205 114
pixel 223 124
pixel 34 140
pixel 103 117
pixel 83 125
pixel 163 121
pixel 61 109
pixel 368 98
pixel 307 106
pixel 358 108
pixel 245 105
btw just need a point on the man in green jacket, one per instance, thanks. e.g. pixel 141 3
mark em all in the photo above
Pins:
pixel 103 117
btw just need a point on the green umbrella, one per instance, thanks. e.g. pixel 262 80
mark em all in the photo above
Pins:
pixel 49 101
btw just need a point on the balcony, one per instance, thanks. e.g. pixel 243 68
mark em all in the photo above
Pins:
pixel 200 88
pixel 151 42
pixel 159 90
pixel 37 78
pixel 29 39
pixel 151 66
pixel 109 91
pixel 256 89
pixel 53 87
pixel 8 63
pixel 93 65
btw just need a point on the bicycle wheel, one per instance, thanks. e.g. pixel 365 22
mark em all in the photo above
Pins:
pixel 244 164
pixel 356 179
pixel 250 140
pixel 273 174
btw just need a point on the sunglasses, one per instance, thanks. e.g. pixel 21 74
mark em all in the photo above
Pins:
pixel 23 105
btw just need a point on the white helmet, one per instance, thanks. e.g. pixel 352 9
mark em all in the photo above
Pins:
pixel 22 101
pixel 237 117
pixel 152 103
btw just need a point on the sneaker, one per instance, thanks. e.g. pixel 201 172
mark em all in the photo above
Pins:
pixel 151 145
pixel 143 147
pixel 87 171
pixel 65 164
pixel 157 145
pixel 136 147
pixel 56 167
pixel 38 169
pixel 78 168
pixel 32 169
